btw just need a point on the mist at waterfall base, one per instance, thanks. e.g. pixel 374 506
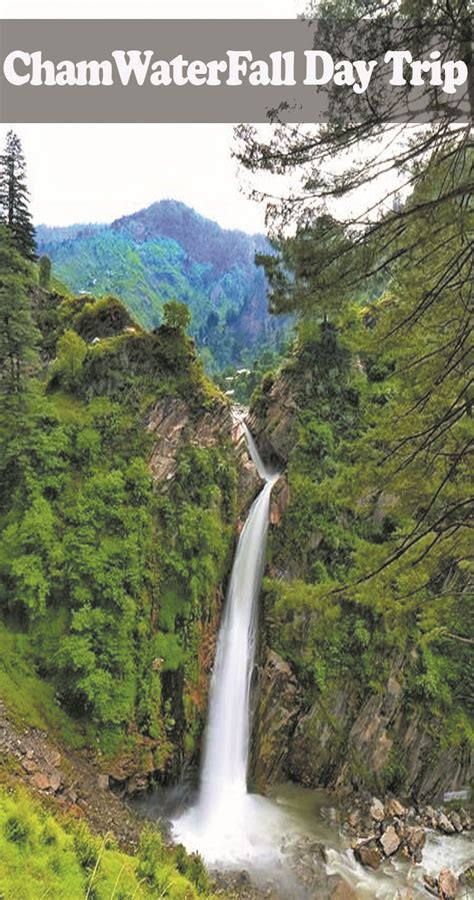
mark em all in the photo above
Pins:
pixel 233 829
pixel 228 825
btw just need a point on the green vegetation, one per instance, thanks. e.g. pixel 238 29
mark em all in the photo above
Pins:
pixel 43 855
pixel 44 266
pixel 241 383
pixel 169 252
pixel 107 578
pixel 14 198
pixel 30 699
pixel 375 540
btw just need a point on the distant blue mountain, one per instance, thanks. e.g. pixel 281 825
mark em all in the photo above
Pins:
pixel 168 251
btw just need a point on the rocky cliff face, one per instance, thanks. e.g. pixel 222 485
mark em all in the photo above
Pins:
pixel 173 424
pixel 361 738
pixel 359 741
pixel 272 418
pixel 356 742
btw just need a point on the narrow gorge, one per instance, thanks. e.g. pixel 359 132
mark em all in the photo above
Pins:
pixel 235 561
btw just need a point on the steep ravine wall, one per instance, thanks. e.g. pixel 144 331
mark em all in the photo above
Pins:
pixel 173 425
pixel 351 742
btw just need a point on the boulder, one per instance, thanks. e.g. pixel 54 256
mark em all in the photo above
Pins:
pixel 415 839
pixel 41 781
pixel 455 820
pixel 103 782
pixel 430 817
pixel 447 884
pixel 445 825
pixel 377 810
pixel 390 841
pixel 395 809
pixel 53 758
pixel 465 819
pixel 369 855
pixel 353 819
pixel 308 858
pixel 29 765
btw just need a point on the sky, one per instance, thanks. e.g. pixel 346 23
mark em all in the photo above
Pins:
pixel 96 173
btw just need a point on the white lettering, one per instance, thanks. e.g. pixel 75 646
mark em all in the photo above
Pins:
pixel 313 57
pixel 9 69
pixel 130 63
pixel 237 66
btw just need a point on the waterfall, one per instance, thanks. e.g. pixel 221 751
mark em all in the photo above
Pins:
pixel 219 820
pixel 226 749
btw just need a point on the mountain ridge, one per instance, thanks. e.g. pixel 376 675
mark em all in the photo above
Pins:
pixel 169 251
pixel 57 233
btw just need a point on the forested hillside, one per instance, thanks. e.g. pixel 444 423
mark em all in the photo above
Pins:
pixel 169 252
pixel 118 497
pixel 93 577
pixel 369 594
pixel 319 540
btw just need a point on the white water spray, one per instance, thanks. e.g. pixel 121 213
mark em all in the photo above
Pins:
pixel 226 825
pixel 224 771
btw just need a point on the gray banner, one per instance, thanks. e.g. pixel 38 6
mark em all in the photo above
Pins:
pixel 51 65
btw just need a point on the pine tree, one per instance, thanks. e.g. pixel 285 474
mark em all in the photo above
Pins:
pixel 14 197
pixel 45 272
pixel 18 335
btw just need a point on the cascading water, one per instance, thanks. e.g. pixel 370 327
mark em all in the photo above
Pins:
pixel 225 825
pixel 224 771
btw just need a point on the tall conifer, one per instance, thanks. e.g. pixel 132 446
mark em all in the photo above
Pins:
pixel 14 197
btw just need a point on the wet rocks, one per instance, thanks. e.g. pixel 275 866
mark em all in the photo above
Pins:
pixel 377 810
pixel 447 884
pixel 369 854
pixel 343 891
pixel 448 822
pixel 239 886
pixel 390 841
pixel 414 841
pixel 445 825
pixel 276 709
pixel 307 858
pixel 393 807
pixel 382 830
pixel 456 821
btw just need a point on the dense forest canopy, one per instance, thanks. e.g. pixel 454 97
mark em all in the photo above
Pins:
pixel 373 236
